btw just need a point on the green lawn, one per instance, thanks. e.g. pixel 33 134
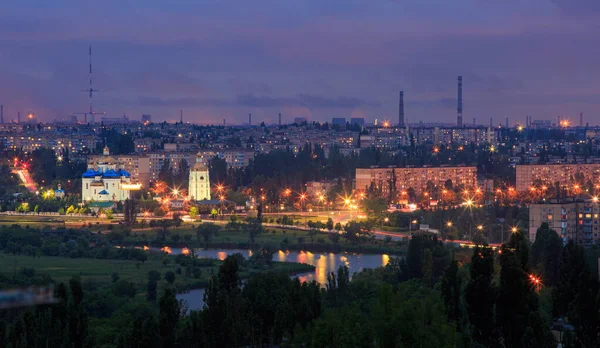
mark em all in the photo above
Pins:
pixel 61 269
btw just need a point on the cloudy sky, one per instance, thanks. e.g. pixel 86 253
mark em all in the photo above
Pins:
pixel 318 59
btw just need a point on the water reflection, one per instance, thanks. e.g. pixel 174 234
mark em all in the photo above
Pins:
pixel 324 263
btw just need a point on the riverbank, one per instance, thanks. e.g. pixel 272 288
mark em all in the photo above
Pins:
pixel 273 238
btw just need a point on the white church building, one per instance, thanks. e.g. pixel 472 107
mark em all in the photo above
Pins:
pixel 104 182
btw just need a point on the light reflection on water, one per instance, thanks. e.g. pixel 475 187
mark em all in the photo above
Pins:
pixel 324 263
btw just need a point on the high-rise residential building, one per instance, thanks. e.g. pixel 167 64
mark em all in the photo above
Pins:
pixel 338 121
pixel 415 178
pixel 360 121
pixel 572 219
pixel 549 174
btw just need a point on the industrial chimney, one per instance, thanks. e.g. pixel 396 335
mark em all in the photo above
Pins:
pixel 581 119
pixel 401 110
pixel 249 119
pixel 459 121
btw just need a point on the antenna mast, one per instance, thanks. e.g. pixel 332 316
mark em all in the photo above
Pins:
pixel 91 90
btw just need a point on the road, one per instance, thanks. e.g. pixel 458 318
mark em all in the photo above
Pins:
pixel 25 179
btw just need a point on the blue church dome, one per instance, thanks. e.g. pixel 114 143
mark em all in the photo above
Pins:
pixel 110 174
pixel 124 173
pixel 90 173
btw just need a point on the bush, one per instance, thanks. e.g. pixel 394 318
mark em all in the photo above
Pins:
pixel 124 288
pixel 170 277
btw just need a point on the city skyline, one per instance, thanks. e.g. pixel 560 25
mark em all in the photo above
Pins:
pixel 335 59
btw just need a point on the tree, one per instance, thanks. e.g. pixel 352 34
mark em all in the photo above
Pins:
pixel 481 294
pixel 36 209
pixel 451 292
pixel 153 278
pixel 338 227
pixel 193 213
pixel 214 213
pixel 130 212
pixel 546 252
pixel 330 224
pixel 168 318
pixel 254 228
pixel 517 303
pixel 427 268
pixel 170 277
pixel 70 209
pixel 207 230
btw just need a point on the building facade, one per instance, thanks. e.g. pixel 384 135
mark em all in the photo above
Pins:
pixel 415 178
pixel 104 181
pixel 576 220
pixel 199 184
pixel 565 174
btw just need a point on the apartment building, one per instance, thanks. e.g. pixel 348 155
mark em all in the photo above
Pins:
pixel 565 174
pixel 416 178
pixel 572 219
pixel 138 166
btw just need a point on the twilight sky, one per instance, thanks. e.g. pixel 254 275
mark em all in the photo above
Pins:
pixel 319 59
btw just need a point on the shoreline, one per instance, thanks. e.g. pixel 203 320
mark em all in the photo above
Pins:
pixel 312 247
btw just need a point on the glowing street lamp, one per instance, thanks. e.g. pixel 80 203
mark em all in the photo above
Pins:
pixel 449 224
pixel 480 227
pixel 514 229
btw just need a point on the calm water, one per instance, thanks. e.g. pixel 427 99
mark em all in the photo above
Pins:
pixel 324 263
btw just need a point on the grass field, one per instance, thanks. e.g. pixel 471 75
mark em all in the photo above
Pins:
pixel 62 269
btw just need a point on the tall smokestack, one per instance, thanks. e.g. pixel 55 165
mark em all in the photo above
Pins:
pixel 507 122
pixel 474 121
pixel 1 114
pixel 224 122
pixel 558 124
pixel 181 116
pixel 459 121
pixel 19 117
pixel 401 110
pixel 491 122
pixel 249 119
pixel 280 119
pixel 581 119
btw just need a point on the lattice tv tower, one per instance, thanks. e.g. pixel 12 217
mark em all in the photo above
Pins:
pixel 90 91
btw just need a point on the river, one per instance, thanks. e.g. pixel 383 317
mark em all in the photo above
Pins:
pixel 324 263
